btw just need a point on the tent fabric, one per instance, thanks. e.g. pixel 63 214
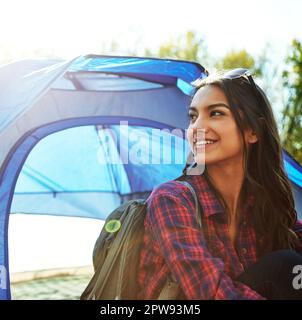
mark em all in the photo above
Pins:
pixel 294 172
pixel 93 169
pixel 155 70
pixel 67 129
pixel 31 77
pixel 293 169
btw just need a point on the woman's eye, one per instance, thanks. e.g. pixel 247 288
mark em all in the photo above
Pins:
pixel 216 112
pixel 192 117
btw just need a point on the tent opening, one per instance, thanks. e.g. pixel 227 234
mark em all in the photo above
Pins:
pixel 81 172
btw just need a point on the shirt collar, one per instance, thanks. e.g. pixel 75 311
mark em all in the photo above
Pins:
pixel 206 196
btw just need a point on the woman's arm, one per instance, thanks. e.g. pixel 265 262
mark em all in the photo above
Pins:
pixel 200 275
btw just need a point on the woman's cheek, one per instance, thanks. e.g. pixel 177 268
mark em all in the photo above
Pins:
pixel 190 137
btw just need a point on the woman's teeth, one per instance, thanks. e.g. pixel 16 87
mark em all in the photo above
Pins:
pixel 201 143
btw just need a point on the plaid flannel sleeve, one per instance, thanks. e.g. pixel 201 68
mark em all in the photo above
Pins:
pixel 200 275
pixel 298 230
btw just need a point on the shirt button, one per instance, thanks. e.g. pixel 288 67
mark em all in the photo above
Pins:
pixel 244 223
pixel 243 251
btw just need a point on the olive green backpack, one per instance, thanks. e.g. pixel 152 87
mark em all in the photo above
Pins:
pixel 116 255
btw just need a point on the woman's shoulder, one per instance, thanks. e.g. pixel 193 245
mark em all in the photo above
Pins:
pixel 298 227
pixel 169 188
pixel 169 201
pixel 174 189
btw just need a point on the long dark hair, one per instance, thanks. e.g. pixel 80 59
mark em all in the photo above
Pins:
pixel 274 214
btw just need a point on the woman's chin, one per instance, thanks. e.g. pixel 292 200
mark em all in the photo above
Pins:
pixel 202 159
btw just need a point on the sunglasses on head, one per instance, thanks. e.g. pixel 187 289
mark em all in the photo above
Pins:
pixel 237 74
pixel 246 75
pixel 240 73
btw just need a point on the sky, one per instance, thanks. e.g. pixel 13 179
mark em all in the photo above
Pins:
pixel 69 28
pixel 72 27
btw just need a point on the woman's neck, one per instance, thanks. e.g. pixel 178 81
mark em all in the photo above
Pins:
pixel 228 180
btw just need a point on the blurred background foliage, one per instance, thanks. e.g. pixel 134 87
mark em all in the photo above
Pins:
pixel 282 82
pixel 292 112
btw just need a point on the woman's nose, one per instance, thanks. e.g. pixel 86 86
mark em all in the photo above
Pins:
pixel 200 124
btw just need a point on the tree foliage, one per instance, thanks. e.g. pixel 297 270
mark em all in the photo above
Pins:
pixel 292 113
pixel 236 59
pixel 185 47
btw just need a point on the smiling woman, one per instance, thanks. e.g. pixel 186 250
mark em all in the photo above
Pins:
pixel 250 238
pixel 212 115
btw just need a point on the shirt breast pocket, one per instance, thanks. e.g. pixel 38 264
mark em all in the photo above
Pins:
pixel 216 248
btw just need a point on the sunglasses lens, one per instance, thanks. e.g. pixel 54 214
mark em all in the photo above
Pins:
pixel 236 73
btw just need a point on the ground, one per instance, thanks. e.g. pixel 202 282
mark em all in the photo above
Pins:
pixel 68 287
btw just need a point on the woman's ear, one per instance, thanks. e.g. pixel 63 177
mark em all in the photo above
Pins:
pixel 251 136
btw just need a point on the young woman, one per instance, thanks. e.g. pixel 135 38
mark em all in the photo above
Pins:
pixel 250 240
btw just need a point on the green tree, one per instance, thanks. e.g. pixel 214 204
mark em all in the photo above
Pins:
pixel 237 59
pixel 269 75
pixel 292 113
pixel 266 72
pixel 185 47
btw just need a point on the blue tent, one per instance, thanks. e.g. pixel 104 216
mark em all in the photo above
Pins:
pixel 80 137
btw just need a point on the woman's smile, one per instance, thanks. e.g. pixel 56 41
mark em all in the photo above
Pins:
pixel 203 145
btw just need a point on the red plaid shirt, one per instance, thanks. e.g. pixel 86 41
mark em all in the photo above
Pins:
pixel 204 263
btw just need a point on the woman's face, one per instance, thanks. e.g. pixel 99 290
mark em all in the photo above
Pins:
pixel 212 122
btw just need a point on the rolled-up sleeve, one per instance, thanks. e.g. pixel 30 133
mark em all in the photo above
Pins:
pixel 182 243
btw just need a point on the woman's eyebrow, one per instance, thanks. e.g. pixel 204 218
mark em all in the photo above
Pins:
pixel 211 106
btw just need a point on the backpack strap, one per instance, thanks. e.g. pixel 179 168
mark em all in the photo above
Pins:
pixel 171 289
